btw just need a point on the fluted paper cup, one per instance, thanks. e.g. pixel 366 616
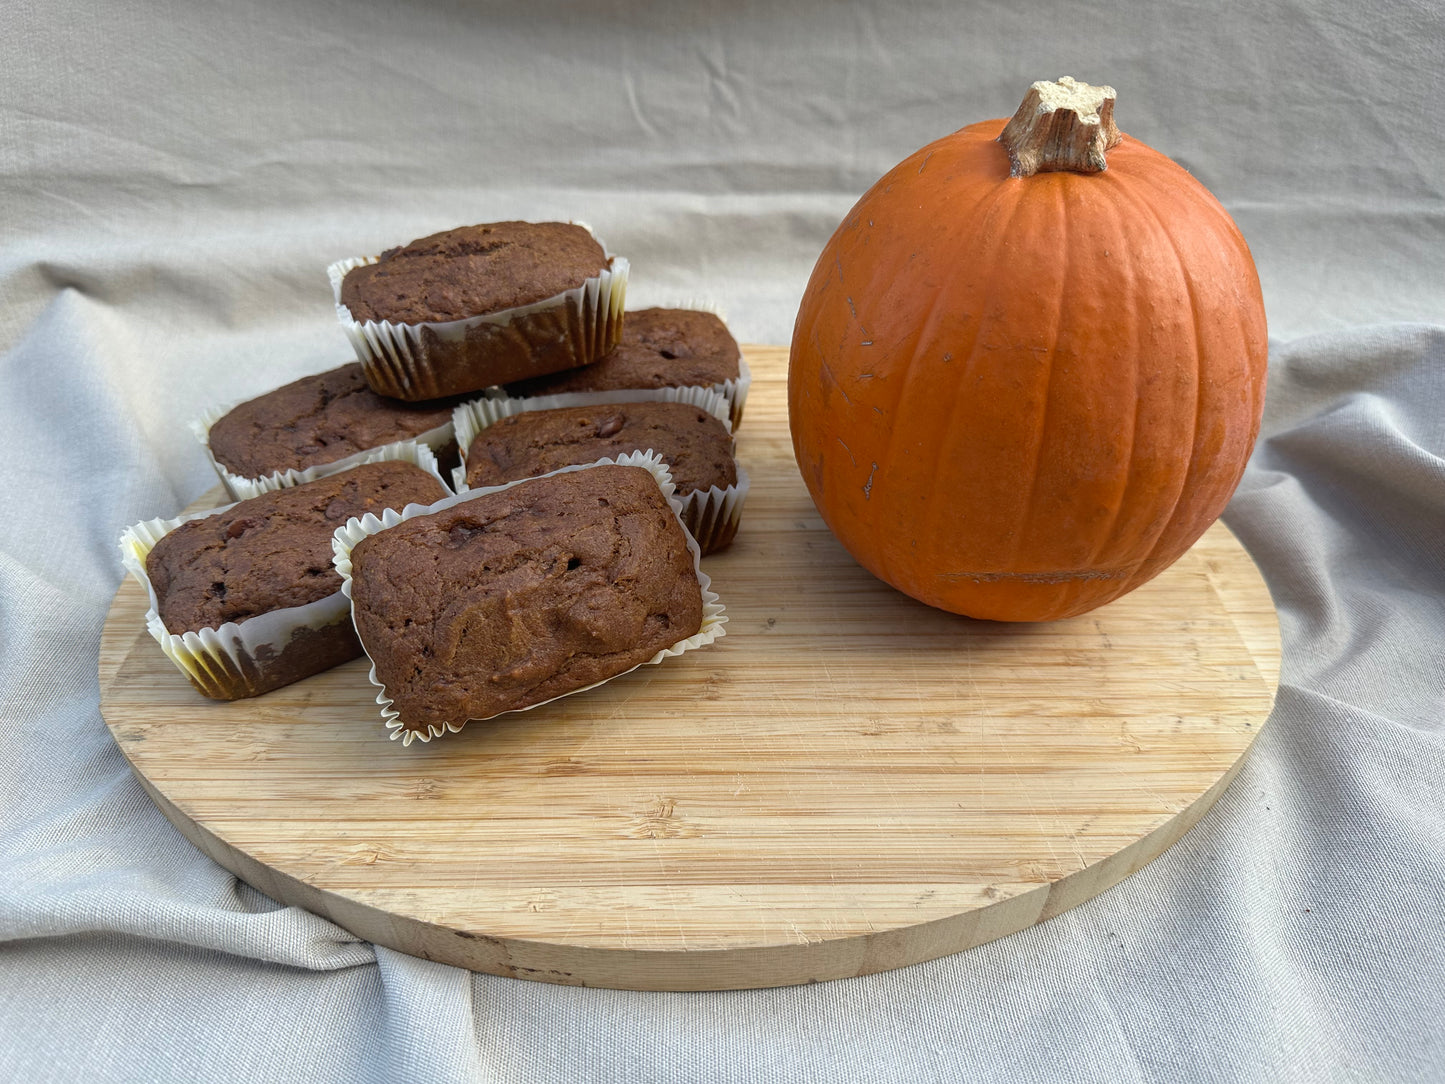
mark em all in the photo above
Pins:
pixel 734 389
pixel 349 535
pixel 710 515
pixel 434 360
pixel 241 488
pixel 237 660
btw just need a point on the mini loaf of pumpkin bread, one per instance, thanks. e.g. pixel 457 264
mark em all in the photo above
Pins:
pixel 472 270
pixel 519 596
pixel 475 306
pixel 696 445
pixel 273 552
pixel 660 348
pixel 317 420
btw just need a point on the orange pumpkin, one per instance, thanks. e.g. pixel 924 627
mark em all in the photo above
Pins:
pixel 1026 374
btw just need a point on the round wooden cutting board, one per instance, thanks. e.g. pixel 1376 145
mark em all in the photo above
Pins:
pixel 847 782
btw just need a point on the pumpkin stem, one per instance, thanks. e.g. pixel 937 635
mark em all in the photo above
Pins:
pixel 1066 125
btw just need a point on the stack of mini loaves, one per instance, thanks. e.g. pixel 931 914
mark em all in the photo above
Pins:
pixel 592 460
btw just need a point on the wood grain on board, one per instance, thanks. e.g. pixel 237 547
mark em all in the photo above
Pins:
pixel 847 782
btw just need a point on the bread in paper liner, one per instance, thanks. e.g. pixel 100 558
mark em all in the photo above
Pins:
pixel 734 390
pixel 241 488
pixel 354 530
pixel 710 515
pixel 434 360
pixel 238 660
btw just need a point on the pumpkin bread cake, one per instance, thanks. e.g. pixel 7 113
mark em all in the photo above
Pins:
pixel 660 348
pixel 317 420
pixel 696 445
pixel 472 270
pixel 518 596
pixel 273 551
pixel 475 306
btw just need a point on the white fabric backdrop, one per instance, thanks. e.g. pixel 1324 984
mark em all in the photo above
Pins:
pixel 174 177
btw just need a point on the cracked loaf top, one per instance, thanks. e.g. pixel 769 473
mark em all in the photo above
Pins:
pixel 523 595
pixel 273 551
pixel 472 270
pixel 315 420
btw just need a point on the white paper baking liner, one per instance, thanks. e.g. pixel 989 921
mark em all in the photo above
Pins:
pixel 226 661
pixel 710 515
pixel 396 358
pixel 354 530
pixel 735 391
pixel 243 488
pixel 697 304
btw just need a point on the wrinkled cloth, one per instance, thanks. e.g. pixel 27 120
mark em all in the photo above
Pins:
pixel 174 178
